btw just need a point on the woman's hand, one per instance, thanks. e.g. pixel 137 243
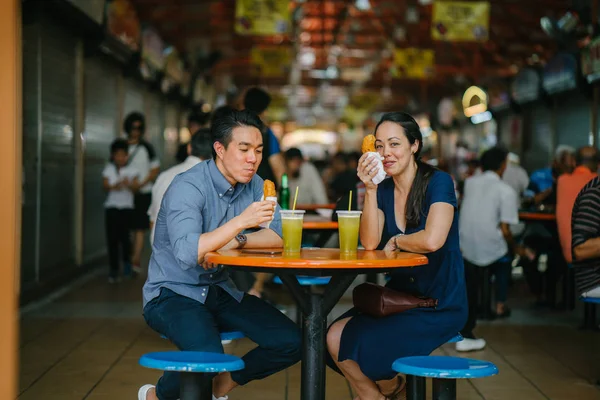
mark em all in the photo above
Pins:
pixel 391 245
pixel 367 169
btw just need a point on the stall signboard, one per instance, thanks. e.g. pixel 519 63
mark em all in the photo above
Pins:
pixel 271 61
pixel 590 61
pixel 262 17
pixel 153 48
pixel 413 63
pixel 122 23
pixel 460 21
pixel 526 86
pixel 560 74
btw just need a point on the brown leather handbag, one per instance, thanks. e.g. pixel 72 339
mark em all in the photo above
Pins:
pixel 378 301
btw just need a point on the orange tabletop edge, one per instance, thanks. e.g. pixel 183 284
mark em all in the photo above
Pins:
pixel 317 259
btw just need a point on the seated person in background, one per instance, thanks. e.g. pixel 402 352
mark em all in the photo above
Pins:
pixel 344 179
pixel 567 189
pixel 542 183
pixel 304 176
pixel 543 238
pixel 515 175
pixel 415 211
pixel 198 149
pixel 488 209
pixel 207 208
pixel 586 240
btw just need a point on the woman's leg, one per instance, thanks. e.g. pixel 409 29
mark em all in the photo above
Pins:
pixel 365 388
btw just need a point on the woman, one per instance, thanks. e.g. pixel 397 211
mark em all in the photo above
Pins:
pixel 415 211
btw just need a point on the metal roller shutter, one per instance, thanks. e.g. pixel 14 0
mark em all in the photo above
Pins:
pixel 573 120
pixel 155 121
pixel 539 138
pixel 57 177
pixel 100 119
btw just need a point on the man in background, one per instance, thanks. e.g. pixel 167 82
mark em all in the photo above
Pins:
pixel 304 176
pixel 198 149
pixel 272 166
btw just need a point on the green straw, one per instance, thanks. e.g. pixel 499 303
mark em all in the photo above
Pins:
pixel 350 202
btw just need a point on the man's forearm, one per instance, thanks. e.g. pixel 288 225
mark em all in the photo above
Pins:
pixel 587 250
pixel 218 238
pixel 264 238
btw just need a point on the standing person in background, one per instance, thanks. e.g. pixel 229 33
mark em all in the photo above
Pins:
pixel 118 181
pixel 196 121
pixel 272 166
pixel 199 149
pixel 143 159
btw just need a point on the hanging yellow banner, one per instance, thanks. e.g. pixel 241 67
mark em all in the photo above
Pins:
pixel 262 17
pixel 457 21
pixel 271 61
pixel 413 63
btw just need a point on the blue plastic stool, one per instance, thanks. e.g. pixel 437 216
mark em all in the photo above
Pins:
pixel 589 312
pixel 444 370
pixel 307 280
pixel 197 369
pixel 456 339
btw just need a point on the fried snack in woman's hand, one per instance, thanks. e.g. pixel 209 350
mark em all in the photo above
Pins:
pixel 368 144
pixel 269 189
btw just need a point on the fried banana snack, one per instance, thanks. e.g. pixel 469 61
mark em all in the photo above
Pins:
pixel 368 144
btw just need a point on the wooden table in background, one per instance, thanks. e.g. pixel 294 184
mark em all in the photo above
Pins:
pixel 343 269
pixel 314 207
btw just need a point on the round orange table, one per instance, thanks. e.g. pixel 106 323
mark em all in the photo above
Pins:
pixel 314 207
pixel 315 307
pixel 537 216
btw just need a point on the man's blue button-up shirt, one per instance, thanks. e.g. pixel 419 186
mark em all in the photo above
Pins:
pixel 198 201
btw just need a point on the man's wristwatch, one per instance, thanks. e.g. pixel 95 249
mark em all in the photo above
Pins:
pixel 241 239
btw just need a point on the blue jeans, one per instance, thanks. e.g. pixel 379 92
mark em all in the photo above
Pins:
pixel 194 326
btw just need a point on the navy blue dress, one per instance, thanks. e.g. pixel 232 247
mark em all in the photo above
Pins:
pixel 374 343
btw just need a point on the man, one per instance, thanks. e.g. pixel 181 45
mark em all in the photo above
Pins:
pixel 142 158
pixel 542 183
pixel 198 149
pixel 272 166
pixel 515 175
pixel 586 240
pixel 196 120
pixel 567 188
pixel 207 208
pixel 304 176
pixel 489 207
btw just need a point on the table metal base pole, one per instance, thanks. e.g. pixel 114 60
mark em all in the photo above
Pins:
pixel 313 357
pixel 416 388
pixel 315 307
pixel 195 386
pixel 443 389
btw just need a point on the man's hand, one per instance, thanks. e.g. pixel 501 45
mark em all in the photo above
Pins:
pixel 207 265
pixel 256 214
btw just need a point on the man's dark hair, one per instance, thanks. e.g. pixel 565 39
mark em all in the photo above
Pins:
pixel 493 158
pixel 200 118
pixel 222 129
pixel 201 144
pixel 133 118
pixel 293 153
pixel 119 144
pixel 257 100
pixel 220 112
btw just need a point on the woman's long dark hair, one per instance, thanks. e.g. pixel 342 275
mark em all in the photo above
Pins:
pixel 416 196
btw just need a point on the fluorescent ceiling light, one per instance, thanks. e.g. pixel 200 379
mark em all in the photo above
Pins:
pixel 481 117
pixel 362 5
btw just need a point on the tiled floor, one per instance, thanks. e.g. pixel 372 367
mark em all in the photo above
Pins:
pixel 85 345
